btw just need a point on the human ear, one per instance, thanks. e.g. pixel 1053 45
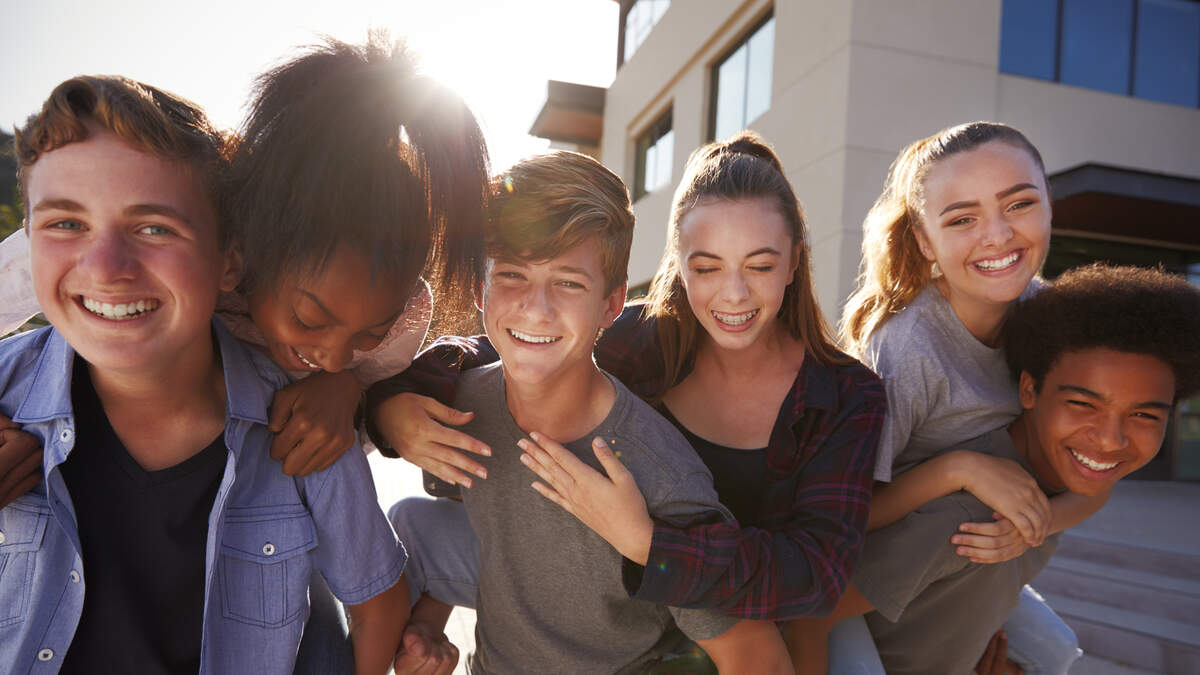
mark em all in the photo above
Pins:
pixel 231 274
pixel 613 305
pixel 923 242
pixel 797 251
pixel 1027 390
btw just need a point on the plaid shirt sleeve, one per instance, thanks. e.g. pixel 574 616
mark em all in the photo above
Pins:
pixel 798 563
pixel 433 373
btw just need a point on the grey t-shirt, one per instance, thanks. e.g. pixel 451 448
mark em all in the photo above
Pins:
pixel 551 598
pixel 943 385
pixel 936 610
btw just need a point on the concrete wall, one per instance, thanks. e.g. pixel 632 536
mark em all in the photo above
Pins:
pixel 854 82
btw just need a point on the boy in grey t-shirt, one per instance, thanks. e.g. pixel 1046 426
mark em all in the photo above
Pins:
pixel 550 594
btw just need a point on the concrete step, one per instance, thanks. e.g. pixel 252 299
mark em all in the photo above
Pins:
pixel 1134 638
pixel 1154 594
pixel 1118 553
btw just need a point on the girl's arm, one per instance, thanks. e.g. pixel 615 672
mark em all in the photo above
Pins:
pixel 799 565
pixel 1000 540
pixel 1000 483
pixel 17 300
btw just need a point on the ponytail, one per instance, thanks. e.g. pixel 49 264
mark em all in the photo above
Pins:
pixel 347 145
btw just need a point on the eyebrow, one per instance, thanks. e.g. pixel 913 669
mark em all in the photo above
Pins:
pixel 573 270
pixel 1083 391
pixel 135 210
pixel 157 210
pixel 761 251
pixel 999 195
pixel 58 205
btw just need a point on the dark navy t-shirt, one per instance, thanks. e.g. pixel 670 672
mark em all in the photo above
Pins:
pixel 143 536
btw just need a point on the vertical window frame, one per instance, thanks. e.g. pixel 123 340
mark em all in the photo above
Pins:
pixel 715 70
pixel 649 138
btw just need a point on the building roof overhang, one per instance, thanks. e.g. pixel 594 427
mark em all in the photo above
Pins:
pixel 1127 203
pixel 572 113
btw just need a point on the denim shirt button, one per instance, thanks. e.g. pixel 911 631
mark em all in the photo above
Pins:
pixel 268 548
pixel 74 577
pixel 45 655
pixel 65 436
pixel 2 537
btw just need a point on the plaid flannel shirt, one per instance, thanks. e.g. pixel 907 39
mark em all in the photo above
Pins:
pixel 820 461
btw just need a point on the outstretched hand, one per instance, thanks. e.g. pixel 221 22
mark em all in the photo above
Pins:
pixel 612 506
pixel 417 429
pixel 993 542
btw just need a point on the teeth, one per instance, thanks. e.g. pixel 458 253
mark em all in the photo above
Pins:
pixel 735 319
pixel 120 312
pixel 993 265
pixel 1092 464
pixel 305 361
pixel 534 339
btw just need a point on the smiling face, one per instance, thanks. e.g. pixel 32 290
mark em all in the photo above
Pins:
pixel 736 259
pixel 1100 415
pixel 985 220
pixel 125 254
pixel 317 321
pixel 543 317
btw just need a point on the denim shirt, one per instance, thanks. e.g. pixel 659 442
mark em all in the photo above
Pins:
pixel 266 532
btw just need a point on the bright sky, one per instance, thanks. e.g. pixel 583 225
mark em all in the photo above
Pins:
pixel 497 54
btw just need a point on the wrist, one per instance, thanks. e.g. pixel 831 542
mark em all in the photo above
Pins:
pixel 641 536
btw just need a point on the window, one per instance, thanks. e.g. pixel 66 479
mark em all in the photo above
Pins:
pixel 1167 62
pixel 655 154
pixel 638 23
pixel 742 81
pixel 1144 48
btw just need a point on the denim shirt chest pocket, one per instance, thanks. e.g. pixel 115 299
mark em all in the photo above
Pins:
pixel 22 528
pixel 264 566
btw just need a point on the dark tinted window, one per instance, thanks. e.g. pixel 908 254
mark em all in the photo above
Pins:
pixel 1097 44
pixel 1167 66
pixel 1029 38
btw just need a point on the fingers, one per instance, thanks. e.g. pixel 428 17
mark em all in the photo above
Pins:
pixel 419 655
pixel 281 409
pixel 444 413
pixel 20 464
pixel 994 529
pixel 437 433
pixel 6 423
pixel 608 459
pixel 545 466
pixel 553 496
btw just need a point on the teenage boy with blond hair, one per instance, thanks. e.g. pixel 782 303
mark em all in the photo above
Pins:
pixel 163 538
pixel 549 593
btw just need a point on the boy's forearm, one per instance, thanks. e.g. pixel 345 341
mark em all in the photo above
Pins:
pixel 376 628
pixel 1069 509
pixel 933 478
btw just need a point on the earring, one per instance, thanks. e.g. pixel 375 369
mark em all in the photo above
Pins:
pixel 935 271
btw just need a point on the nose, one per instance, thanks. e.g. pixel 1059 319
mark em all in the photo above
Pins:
pixel 109 257
pixel 334 355
pixel 735 289
pixel 997 231
pixel 537 304
pixel 1109 433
